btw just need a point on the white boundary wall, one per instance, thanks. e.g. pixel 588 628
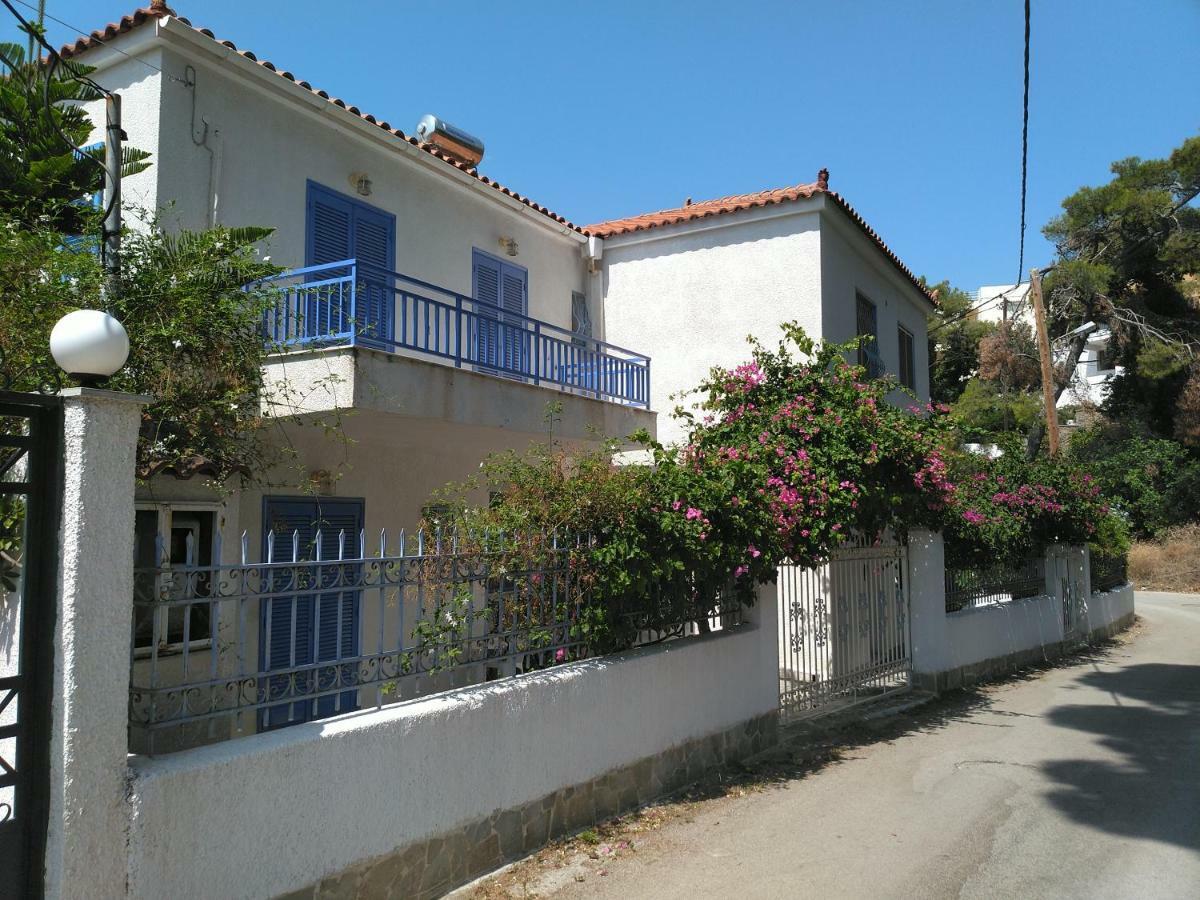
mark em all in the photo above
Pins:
pixel 275 812
pixel 950 643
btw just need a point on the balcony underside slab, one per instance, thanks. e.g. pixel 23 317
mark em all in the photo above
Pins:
pixel 373 381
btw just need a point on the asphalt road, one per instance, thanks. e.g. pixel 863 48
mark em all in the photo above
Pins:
pixel 1083 781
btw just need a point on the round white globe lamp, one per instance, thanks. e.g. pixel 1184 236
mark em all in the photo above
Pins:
pixel 90 345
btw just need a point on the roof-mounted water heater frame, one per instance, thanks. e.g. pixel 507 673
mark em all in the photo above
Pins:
pixel 450 139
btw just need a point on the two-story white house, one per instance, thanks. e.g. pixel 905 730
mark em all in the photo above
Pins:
pixel 690 284
pixel 438 312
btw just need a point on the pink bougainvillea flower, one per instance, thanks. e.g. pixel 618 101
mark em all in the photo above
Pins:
pixel 740 571
pixel 693 513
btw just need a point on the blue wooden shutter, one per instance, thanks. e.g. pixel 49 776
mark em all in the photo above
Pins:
pixel 485 287
pixel 279 646
pixel 320 635
pixel 328 235
pixel 515 336
pixel 338 228
pixel 374 247
pixel 329 231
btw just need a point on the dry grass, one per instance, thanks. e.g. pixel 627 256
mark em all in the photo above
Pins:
pixel 1171 563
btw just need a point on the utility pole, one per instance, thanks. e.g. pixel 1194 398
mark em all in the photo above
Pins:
pixel 111 236
pixel 1039 315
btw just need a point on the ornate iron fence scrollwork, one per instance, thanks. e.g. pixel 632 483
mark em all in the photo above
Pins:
pixel 366 629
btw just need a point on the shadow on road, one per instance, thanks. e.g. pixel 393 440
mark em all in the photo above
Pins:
pixel 1153 790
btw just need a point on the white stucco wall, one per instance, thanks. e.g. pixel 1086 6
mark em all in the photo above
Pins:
pixel 136 79
pixel 316 798
pixel 688 295
pixel 266 137
pixel 942 642
pixel 852 264
pixel 1106 607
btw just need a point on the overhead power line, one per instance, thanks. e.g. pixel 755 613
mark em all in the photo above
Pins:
pixel 78 30
pixel 1024 149
pixel 978 307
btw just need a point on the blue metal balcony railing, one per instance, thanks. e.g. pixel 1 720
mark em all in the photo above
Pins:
pixel 350 303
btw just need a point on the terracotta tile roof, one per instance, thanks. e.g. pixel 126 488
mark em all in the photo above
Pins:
pixel 158 10
pixel 690 212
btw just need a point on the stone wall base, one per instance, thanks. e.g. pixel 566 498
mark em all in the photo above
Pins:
pixel 436 866
pixel 999 666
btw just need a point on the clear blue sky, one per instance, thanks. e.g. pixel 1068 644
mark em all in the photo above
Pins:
pixel 600 110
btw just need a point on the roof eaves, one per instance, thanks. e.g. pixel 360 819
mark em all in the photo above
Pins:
pixel 160 11
pixel 726 205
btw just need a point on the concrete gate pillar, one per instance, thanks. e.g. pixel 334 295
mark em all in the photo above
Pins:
pixel 85 847
pixel 927 606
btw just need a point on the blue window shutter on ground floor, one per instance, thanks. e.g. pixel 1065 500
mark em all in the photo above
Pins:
pixel 326 627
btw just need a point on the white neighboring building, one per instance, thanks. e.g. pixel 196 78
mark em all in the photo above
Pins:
pixel 1095 370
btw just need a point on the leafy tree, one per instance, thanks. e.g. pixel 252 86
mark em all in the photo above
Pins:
pixel 1127 256
pixel 986 411
pixel 954 338
pixel 196 345
pixel 44 178
pixel 1153 482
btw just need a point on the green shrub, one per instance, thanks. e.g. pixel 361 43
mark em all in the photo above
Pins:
pixel 789 455
pixel 1154 483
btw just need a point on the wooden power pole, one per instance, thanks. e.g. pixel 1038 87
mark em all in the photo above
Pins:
pixel 1043 339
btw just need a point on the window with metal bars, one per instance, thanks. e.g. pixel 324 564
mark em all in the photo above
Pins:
pixel 907 350
pixel 867 325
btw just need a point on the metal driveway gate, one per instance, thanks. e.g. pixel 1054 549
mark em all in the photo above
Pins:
pixel 30 473
pixel 844 629
pixel 1070 588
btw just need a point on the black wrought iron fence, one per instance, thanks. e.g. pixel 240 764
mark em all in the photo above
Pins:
pixel 224 650
pixel 968 587
pixel 1108 572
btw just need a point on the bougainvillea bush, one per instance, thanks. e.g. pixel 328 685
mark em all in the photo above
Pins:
pixel 788 456
pixel 1009 508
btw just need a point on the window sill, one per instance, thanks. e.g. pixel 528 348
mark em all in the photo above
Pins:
pixel 166 650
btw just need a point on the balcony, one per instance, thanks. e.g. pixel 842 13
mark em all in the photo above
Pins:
pixel 353 304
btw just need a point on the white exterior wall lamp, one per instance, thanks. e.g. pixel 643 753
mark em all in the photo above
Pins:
pixel 89 345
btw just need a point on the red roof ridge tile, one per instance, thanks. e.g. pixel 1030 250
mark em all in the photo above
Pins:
pixel 158 9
